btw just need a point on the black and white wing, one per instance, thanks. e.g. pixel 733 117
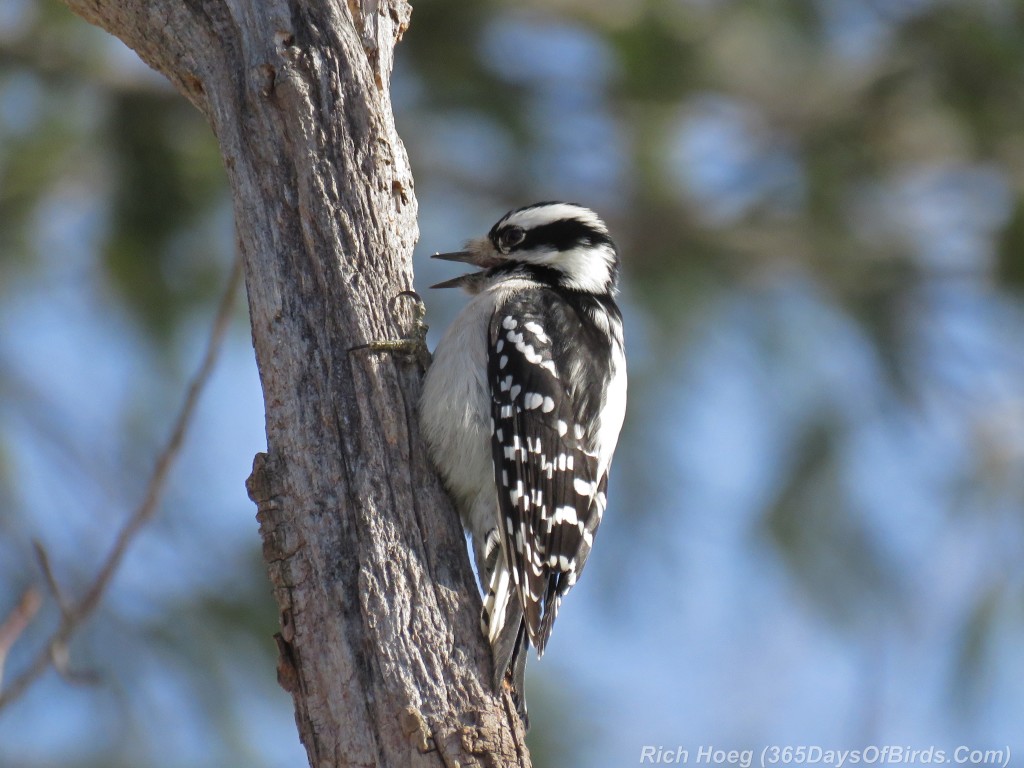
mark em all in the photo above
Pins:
pixel 546 464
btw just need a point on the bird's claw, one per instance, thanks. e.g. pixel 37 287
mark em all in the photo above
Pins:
pixel 415 344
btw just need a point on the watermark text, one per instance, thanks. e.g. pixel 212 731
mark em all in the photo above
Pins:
pixel 778 755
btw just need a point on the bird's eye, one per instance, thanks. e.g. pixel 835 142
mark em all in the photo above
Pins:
pixel 511 237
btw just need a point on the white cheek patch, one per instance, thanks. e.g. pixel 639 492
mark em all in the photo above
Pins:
pixel 585 268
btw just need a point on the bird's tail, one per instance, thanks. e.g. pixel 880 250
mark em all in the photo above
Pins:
pixel 509 648
pixel 516 673
pixel 504 625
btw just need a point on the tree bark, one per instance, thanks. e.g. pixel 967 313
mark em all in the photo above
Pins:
pixel 379 643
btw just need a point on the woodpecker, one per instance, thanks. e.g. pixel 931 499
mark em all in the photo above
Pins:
pixel 521 410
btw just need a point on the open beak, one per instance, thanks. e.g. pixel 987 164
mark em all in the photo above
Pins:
pixel 456 282
pixel 466 257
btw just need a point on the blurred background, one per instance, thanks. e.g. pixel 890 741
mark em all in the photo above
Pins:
pixel 815 531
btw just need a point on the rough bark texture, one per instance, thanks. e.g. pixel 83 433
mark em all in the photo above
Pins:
pixel 379 641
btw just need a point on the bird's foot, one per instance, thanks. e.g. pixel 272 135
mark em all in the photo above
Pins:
pixel 414 345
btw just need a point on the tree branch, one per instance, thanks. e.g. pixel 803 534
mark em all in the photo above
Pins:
pixel 74 614
pixel 16 622
pixel 380 643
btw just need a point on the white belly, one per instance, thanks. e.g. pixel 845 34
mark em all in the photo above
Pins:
pixel 458 434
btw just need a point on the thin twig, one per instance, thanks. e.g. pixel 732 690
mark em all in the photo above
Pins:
pixel 51 580
pixel 76 613
pixel 16 621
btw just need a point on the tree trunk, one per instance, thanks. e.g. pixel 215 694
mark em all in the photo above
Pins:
pixel 379 643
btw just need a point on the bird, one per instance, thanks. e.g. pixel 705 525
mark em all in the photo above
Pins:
pixel 521 411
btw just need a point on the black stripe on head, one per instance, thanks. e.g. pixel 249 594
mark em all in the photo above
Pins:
pixel 492 235
pixel 563 235
pixel 549 276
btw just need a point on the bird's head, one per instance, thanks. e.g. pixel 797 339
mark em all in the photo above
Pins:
pixel 560 243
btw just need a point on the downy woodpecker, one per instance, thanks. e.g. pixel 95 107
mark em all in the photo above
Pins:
pixel 521 410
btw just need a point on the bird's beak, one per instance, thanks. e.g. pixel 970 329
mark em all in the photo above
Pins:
pixel 462 281
pixel 469 256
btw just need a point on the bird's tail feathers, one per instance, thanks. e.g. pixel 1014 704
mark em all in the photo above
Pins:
pixel 516 674
pixel 505 627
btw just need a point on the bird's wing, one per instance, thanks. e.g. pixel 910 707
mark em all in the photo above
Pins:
pixel 549 494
